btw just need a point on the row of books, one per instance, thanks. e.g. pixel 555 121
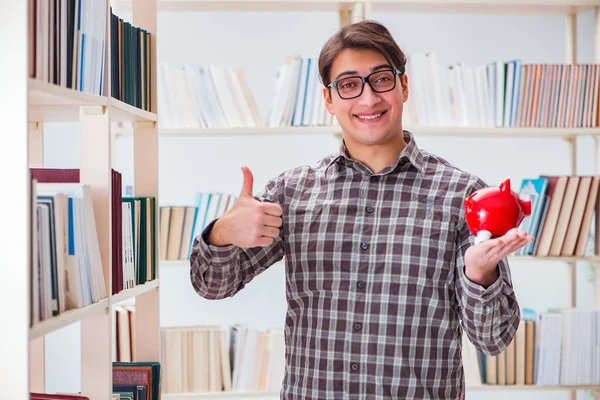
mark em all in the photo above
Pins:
pixel 556 347
pixel 133 234
pixel 214 96
pixel 131 62
pixel 179 225
pixel 501 94
pixel 67 39
pixel 66 266
pixel 217 359
pixel 131 381
pixel 562 212
pixel 298 96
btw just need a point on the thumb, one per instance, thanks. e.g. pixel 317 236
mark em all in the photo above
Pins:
pixel 248 181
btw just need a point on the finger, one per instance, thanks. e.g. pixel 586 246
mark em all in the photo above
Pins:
pixel 269 231
pixel 270 220
pixel 248 182
pixel 509 248
pixel 498 244
pixel 273 209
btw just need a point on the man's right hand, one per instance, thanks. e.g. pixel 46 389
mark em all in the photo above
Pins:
pixel 249 223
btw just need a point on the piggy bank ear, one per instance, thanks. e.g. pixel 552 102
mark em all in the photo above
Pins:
pixel 505 186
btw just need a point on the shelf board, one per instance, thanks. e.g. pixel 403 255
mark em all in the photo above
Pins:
pixel 121 111
pixel 240 5
pixel 471 388
pixel 52 103
pixel 219 395
pixel 298 130
pixel 67 318
pixel 486 387
pixel 592 259
pixel 466 132
pixel 476 132
pixel 515 7
pixel 134 292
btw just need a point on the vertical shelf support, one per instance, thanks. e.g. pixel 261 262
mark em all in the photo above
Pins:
pixel 36 144
pixel 95 170
pixel 571 38
pixel 145 170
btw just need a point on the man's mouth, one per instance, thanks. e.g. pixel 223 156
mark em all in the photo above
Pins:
pixel 370 117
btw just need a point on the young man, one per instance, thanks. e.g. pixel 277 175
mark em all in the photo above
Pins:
pixel 382 272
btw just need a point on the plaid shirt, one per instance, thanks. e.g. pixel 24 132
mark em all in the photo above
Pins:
pixel 377 294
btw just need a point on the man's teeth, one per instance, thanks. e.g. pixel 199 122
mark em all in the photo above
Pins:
pixel 369 116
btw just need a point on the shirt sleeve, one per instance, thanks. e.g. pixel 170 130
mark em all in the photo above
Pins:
pixel 490 316
pixel 218 272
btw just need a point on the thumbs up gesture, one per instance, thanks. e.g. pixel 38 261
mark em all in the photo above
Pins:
pixel 249 223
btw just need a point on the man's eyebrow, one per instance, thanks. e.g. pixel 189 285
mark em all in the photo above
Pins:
pixel 375 68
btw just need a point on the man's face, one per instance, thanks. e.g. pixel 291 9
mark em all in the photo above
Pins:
pixel 371 118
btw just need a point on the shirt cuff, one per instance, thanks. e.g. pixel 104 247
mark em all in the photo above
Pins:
pixel 480 294
pixel 218 255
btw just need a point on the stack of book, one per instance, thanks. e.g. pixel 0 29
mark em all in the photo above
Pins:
pixel 502 94
pixel 556 347
pixel 179 225
pixel 67 42
pixel 67 267
pixel 215 359
pixel 562 211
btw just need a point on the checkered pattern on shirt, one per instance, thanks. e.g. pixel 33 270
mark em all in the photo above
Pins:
pixel 374 279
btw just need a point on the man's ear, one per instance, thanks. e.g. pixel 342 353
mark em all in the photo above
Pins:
pixel 328 103
pixel 404 81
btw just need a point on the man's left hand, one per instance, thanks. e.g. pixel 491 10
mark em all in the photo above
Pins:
pixel 481 259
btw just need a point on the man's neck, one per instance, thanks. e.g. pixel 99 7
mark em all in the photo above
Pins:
pixel 376 157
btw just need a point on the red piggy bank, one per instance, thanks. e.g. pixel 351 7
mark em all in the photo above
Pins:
pixel 492 212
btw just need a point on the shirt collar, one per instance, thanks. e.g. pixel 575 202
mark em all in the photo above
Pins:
pixel 410 154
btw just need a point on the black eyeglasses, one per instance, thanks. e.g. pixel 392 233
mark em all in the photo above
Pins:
pixel 352 86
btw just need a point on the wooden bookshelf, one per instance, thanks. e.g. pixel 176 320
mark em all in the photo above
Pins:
pixel 524 7
pixel 466 132
pixel 277 131
pixel 27 102
pixel 567 8
pixel 129 294
pixel 69 317
pixel 219 395
pixel 476 388
pixel 52 103
pixel 473 388
pixel 124 112
pixel 242 5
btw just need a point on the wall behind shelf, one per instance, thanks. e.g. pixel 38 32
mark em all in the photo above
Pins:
pixel 258 42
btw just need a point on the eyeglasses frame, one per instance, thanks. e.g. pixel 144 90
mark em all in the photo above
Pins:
pixel 364 80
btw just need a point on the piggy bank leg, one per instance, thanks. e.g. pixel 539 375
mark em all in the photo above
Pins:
pixel 482 236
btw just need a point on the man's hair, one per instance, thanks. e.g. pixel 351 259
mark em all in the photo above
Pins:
pixel 363 35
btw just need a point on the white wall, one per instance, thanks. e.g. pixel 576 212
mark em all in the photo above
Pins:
pixel 258 42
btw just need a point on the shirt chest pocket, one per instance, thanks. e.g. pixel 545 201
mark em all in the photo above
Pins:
pixel 320 224
pixel 422 248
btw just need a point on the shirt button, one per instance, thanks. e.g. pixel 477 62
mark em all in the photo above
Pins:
pixel 364 246
pixel 374 178
pixel 357 326
pixel 361 284
pixel 354 367
pixel 369 209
